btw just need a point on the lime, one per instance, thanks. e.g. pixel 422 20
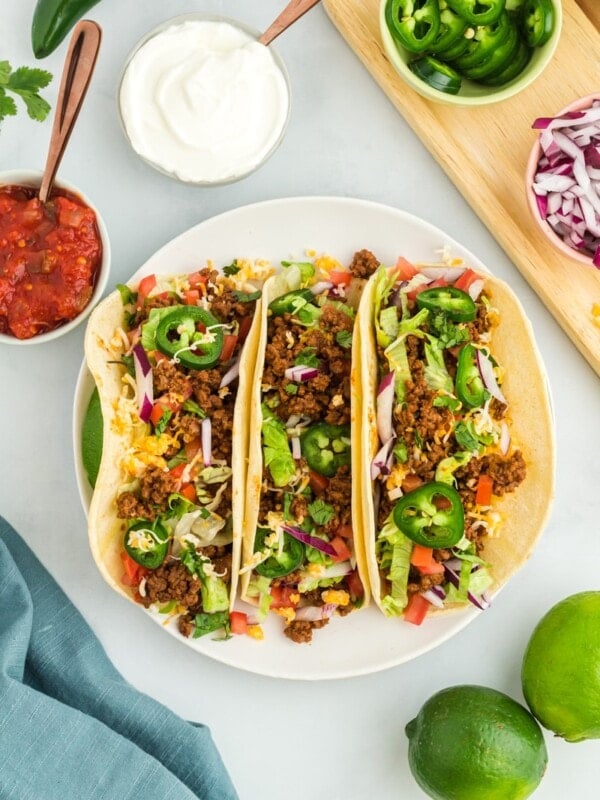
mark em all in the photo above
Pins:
pixel 471 742
pixel 561 668
pixel 91 438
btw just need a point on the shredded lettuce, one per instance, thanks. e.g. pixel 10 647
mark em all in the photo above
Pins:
pixel 215 595
pixel 396 352
pixel 381 291
pixel 148 338
pixel 388 321
pixel 303 269
pixel 310 584
pixel 276 449
pixel 437 376
pixel 394 550
pixel 444 472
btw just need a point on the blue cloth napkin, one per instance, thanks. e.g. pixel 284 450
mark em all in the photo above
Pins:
pixel 71 727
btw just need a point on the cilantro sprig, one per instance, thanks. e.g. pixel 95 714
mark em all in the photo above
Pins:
pixel 25 82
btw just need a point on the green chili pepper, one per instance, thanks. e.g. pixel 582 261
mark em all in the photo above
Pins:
pixel 537 21
pixel 156 543
pixel 290 302
pixel 438 75
pixel 485 42
pixel 431 515
pixel 414 24
pixel 279 564
pixel 478 12
pixel 176 334
pixel 512 69
pixel 52 21
pixel 326 448
pixel 457 305
pixel 501 56
pixel 452 29
pixel 469 385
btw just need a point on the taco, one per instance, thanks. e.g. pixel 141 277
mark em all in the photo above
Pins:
pixel 457 437
pixel 303 556
pixel 171 359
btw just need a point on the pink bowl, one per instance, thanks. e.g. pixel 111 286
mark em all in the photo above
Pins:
pixel 536 152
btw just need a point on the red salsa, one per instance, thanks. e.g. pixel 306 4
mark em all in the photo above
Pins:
pixel 49 260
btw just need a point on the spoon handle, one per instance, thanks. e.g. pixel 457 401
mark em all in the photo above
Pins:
pixel 77 72
pixel 293 11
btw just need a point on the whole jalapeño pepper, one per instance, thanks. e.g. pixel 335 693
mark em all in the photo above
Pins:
pixel 431 515
pixel 469 384
pixel 147 543
pixel 52 21
pixel 414 24
pixel 177 336
pixel 326 448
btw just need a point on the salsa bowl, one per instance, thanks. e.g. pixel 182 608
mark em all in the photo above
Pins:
pixel 60 259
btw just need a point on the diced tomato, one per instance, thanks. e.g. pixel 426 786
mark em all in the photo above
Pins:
pixel 158 409
pixel 341 549
pixel 196 279
pixel 158 356
pixel 284 597
pixel 177 471
pixel 405 269
pixel 354 584
pixel 229 343
pixel 245 325
pixel 188 490
pixel 468 277
pixel 191 448
pixel 146 285
pixel 134 572
pixel 422 558
pixel 483 494
pixel 318 483
pixel 345 531
pixel 339 278
pixel 191 297
pixel 238 622
pixel 417 609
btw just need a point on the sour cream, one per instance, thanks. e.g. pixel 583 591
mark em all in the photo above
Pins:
pixel 203 101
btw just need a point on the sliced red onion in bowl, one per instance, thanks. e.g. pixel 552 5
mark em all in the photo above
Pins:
pixel 385 407
pixel 206 439
pixel 143 382
pixel 486 370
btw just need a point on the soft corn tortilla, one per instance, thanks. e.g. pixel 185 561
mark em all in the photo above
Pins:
pixel 524 511
pixel 274 287
pixel 105 529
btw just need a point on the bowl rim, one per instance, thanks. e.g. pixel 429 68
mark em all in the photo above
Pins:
pixel 532 161
pixel 33 178
pixel 209 17
pixel 494 95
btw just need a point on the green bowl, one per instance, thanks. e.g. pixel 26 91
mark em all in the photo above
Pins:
pixel 471 94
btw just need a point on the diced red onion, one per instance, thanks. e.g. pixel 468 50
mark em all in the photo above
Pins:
pixel 143 382
pixel 321 286
pixel 432 598
pixel 385 407
pixel 449 274
pixel 486 370
pixel 315 613
pixel 475 289
pixel 306 538
pixel 293 420
pixel 206 439
pixel 296 451
pixel 301 373
pixel 382 463
pixel 395 493
pixel 439 591
pixel 231 374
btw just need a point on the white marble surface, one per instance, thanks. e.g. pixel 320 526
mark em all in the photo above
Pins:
pixel 340 740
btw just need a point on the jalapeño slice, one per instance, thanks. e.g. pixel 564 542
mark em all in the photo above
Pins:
pixel 537 21
pixel 326 448
pixel 147 543
pixel 279 564
pixel 431 515
pixel 178 336
pixel 469 384
pixel 457 305
pixel 289 302
pixel 436 74
pixel 414 24
pixel 478 12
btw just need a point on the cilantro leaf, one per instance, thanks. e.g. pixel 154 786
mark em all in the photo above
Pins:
pixel 243 297
pixel 231 269
pixel 344 339
pixel 193 408
pixel 291 388
pixel 25 82
pixel 321 512
pixel 208 623
pixel 307 358
pixel 162 423
pixel 448 334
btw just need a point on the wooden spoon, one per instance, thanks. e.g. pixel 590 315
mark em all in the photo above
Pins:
pixel 77 72
pixel 293 11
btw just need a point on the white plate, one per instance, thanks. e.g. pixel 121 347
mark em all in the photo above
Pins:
pixel 365 641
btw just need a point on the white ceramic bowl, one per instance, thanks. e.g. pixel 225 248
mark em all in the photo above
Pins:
pixel 471 94
pixel 153 162
pixel 33 178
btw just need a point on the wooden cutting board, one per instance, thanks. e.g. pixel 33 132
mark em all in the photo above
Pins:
pixel 484 150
